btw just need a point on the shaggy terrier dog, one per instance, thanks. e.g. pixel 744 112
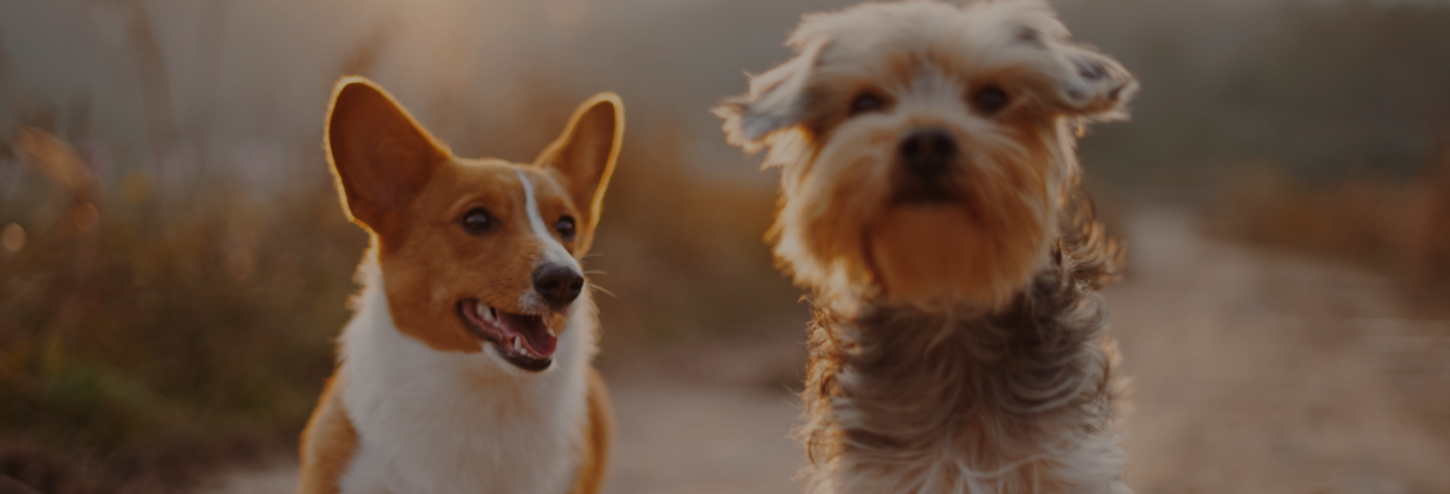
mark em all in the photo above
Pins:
pixel 930 204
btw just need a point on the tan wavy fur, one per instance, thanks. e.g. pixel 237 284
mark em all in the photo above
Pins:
pixel 958 345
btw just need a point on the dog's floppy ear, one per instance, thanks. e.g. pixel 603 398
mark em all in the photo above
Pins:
pixel 380 156
pixel 1068 78
pixel 584 155
pixel 1089 84
pixel 776 101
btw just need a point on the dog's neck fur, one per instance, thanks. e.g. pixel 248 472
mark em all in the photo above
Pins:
pixel 445 422
pixel 1019 401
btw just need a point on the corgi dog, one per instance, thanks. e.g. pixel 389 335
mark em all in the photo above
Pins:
pixel 466 366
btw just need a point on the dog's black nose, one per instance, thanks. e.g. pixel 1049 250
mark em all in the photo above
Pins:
pixel 558 284
pixel 928 151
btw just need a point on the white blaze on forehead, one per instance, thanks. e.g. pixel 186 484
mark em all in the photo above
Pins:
pixel 554 252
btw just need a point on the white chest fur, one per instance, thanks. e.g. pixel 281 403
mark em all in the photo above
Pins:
pixel 447 422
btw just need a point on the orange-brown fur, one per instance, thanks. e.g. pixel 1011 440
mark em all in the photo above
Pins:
pixel 911 253
pixel 408 191
pixel 412 222
pixel 327 443
pixel 597 438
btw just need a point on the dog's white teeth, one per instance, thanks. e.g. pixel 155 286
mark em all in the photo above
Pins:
pixel 551 332
pixel 518 344
pixel 487 312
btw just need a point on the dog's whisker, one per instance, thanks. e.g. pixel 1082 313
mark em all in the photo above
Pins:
pixel 594 287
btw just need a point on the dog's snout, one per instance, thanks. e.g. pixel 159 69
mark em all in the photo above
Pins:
pixel 558 284
pixel 928 151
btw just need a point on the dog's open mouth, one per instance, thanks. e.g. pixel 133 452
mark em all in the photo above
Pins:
pixel 525 340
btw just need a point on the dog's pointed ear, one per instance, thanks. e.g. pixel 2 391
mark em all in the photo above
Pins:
pixel 1089 84
pixel 584 156
pixel 776 101
pixel 379 155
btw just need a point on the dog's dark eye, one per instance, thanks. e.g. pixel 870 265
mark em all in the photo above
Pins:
pixel 867 102
pixel 565 227
pixel 477 220
pixel 989 100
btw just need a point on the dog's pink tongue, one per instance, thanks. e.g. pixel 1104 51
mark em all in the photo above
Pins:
pixel 533 329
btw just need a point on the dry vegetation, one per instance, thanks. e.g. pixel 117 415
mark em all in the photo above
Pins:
pixel 165 332
pixel 1317 127
pixel 1397 226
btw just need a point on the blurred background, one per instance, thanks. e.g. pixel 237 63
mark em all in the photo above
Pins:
pixel 174 265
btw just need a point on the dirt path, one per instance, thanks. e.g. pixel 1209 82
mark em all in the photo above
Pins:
pixel 1253 373
pixel 1263 373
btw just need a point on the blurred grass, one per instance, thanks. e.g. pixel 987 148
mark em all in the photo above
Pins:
pixel 685 254
pixel 193 324
pixel 1397 225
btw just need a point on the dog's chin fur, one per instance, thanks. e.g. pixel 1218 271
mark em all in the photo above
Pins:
pixel 841 229
pixel 1021 400
pixel 438 422
pixel 958 344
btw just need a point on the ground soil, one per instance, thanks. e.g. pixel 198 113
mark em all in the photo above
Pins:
pixel 1253 371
